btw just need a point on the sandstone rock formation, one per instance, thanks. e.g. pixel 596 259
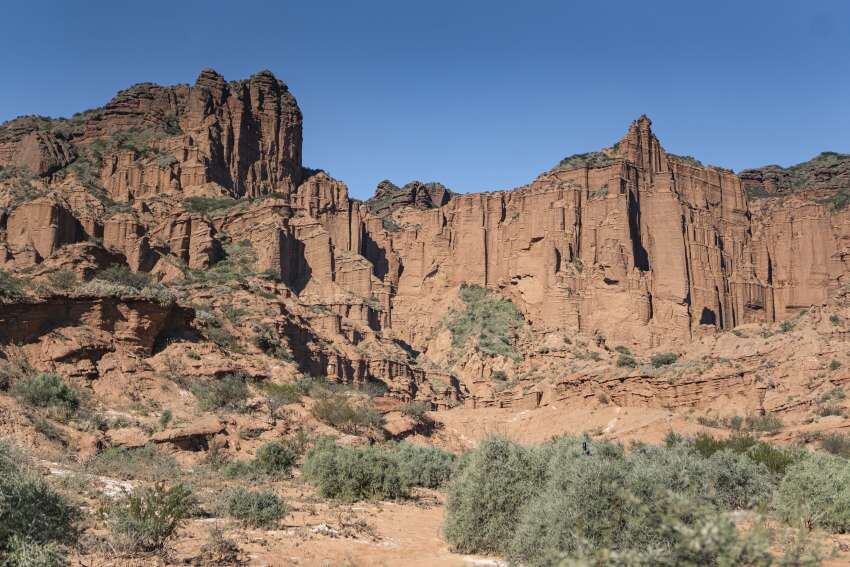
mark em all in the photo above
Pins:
pixel 629 245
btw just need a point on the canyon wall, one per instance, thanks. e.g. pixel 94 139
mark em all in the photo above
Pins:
pixel 631 244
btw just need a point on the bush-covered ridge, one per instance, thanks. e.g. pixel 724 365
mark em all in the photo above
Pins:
pixel 589 160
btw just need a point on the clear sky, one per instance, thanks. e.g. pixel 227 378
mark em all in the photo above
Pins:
pixel 478 95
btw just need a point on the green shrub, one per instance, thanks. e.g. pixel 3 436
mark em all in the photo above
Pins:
pixel 46 391
pixel 208 205
pixel 268 340
pixel 488 493
pixel 10 287
pixel 835 319
pixel 767 423
pixel 275 459
pixel 837 444
pixel 776 459
pixel 834 364
pixel 626 361
pixel 354 473
pixel 339 412
pixel 828 409
pixel 757 192
pixel 146 463
pixel 490 321
pixel 261 509
pixel 122 275
pixel 144 519
pixel 663 359
pixel 26 553
pixel 839 201
pixel 739 481
pixel 278 395
pixel 816 493
pixel 226 393
pixel 389 224
pixel 415 411
pixel 31 512
pixel 424 466
pixel 63 279
pixel 786 326
pixel 238 264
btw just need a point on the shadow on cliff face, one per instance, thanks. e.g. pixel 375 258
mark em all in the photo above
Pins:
pixel 28 322
pixel 295 270
pixel 638 251
pixel 376 255
pixel 310 362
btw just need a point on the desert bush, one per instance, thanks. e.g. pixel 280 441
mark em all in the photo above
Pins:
pixel 122 275
pixel 839 201
pixel 415 411
pixel 144 519
pixel 490 321
pixel 46 391
pixel 835 319
pixel 389 224
pixel 626 361
pixel 767 423
pixel 165 418
pixel 219 549
pixel 815 492
pixel 10 287
pixel 31 512
pixel 208 205
pixel 238 263
pixel 338 411
pixel 488 493
pixel 739 481
pixel 424 466
pixel 226 393
pixel 663 359
pixel 63 279
pixel 354 473
pixel 26 553
pixel 837 444
pixel 146 463
pixel 283 393
pixel 260 509
pixel 834 364
pixel 775 459
pixel 786 326
pixel 275 459
pixel 828 409
pixel 268 340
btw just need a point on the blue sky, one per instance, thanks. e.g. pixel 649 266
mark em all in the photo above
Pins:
pixel 477 95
